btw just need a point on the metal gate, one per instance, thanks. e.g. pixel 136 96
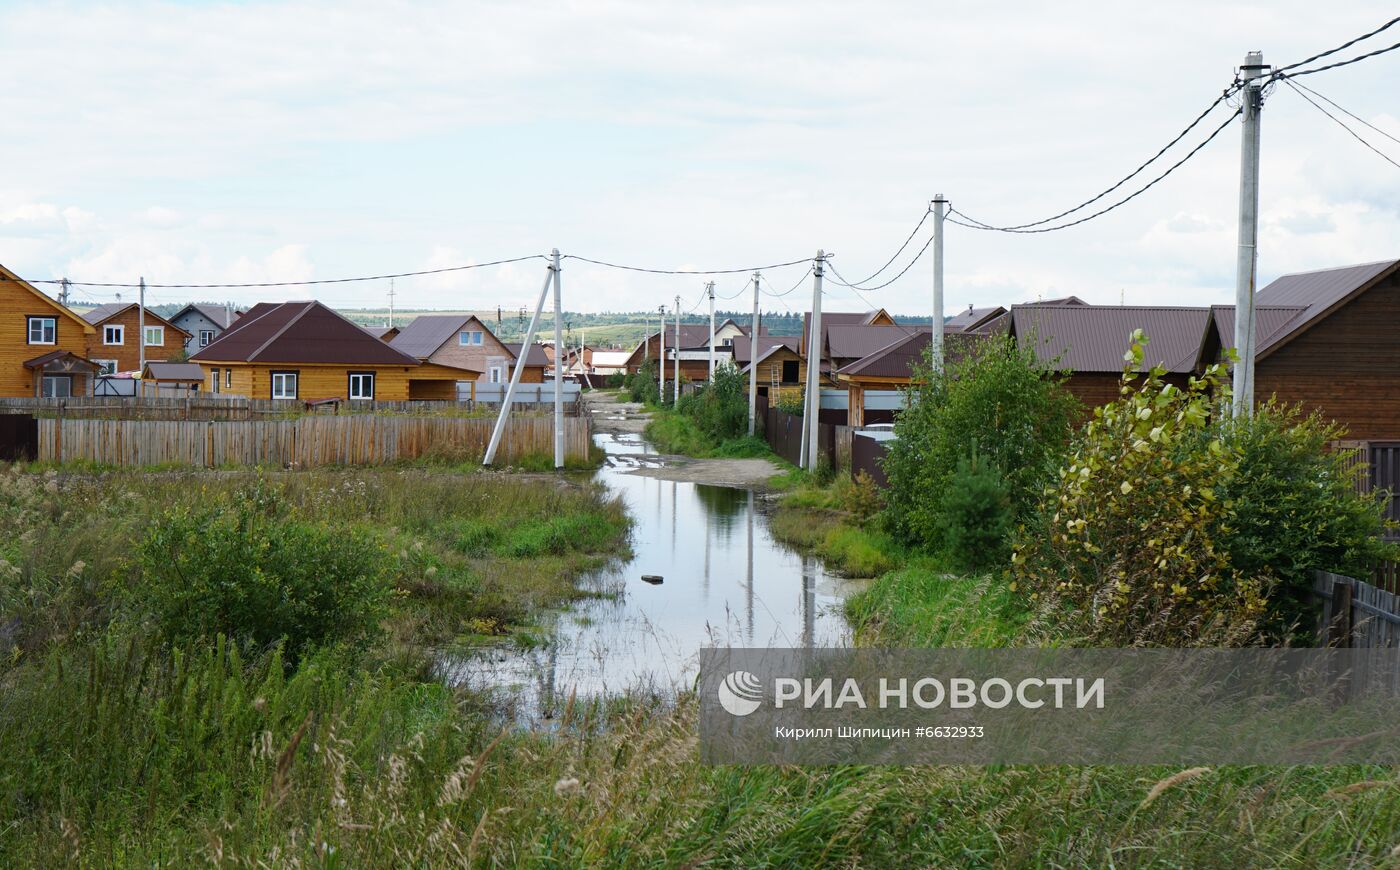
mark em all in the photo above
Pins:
pixel 19 437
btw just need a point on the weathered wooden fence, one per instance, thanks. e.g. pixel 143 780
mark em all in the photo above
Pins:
pixel 1355 613
pixel 205 406
pixel 361 439
pixel 1377 467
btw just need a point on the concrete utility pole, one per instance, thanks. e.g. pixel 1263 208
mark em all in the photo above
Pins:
pixel 812 408
pixel 558 369
pixel 519 369
pixel 936 336
pixel 676 369
pixel 141 336
pixel 711 287
pixel 661 354
pixel 753 360
pixel 1247 262
pixel 391 303
pixel 63 294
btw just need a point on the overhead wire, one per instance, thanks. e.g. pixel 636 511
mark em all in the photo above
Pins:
pixel 1331 51
pixel 972 223
pixel 685 271
pixel 912 233
pixel 1340 123
pixel 839 279
pixel 1340 108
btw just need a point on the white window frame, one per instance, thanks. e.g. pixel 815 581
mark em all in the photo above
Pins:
pixel 228 378
pixel 470 338
pixel 359 378
pixel 281 379
pixel 205 336
pixel 496 374
pixel 214 380
pixel 47 326
pixel 102 366
pixel 159 332
pixel 112 329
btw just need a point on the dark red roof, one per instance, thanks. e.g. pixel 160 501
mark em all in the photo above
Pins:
pixel 1319 293
pixel 299 332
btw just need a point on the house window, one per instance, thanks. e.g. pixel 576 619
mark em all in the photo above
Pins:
pixel 57 387
pixel 495 374
pixel 284 385
pixel 728 342
pixel 214 381
pixel 106 367
pixel 228 378
pixel 43 330
pixel 362 385
pixel 155 336
pixel 114 334
pixel 789 371
pixel 469 337
pixel 205 336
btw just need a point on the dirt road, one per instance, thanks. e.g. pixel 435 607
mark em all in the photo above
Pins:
pixel 613 415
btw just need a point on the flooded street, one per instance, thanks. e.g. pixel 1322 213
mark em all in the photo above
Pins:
pixel 725 581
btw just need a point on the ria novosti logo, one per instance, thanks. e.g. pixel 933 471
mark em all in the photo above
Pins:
pixel 740 693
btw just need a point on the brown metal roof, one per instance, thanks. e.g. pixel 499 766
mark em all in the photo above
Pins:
pixel 1094 338
pixel 971 318
pixel 299 332
pixel 55 355
pixel 1269 323
pixel 845 342
pixel 423 336
pixel 1320 293
pixel 766 345
pixel 536 357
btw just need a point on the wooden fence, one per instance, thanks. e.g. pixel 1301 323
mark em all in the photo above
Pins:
pixel 361 439
pixel 206 407
pixel 783 432
pixel 1377 468
pixel 1355 613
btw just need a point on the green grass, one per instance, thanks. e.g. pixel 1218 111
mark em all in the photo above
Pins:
pixel 677 434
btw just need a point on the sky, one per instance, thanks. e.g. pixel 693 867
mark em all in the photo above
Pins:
pixel 192 142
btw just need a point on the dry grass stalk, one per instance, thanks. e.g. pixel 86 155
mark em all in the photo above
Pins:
pixel 1171 782
pixel 281 780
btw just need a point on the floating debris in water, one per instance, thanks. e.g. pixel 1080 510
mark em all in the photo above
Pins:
pixel 653 579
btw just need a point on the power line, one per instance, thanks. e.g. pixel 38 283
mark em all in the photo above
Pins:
pixel 914 232
pixel 296 283
pixel 685 271
pixel 775 294
pixel 838 279
pixel 1340 123
pixel 1224 95
pixel 1348 44
pixel 1343 109
pixel 1340 63
pixel 973 223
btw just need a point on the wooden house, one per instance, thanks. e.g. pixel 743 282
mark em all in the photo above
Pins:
pixel 1329 340
pixel 116 343
pixel 534 363
pixel 781 370
pixel 43 345
pixel 204 323
pixel 693 342
pixel 306 351
pixel 1089 341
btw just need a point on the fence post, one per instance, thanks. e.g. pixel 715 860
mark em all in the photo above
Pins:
pixel 58 435
pixel 1339 628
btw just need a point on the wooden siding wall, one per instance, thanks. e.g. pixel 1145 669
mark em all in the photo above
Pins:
pixel 17 304
pixel 1347 366
pixel 304 442
pixel 391 383
pixel 128 353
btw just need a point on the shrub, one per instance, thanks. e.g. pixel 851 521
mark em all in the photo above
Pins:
pixel 245 569
pixel 790 403
pixel 998 400
pixel 1297 509
pixel 720 408
pixel 641 384
pixel 977 522
pixel 1127 550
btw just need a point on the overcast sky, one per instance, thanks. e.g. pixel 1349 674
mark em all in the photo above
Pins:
pixel 209 142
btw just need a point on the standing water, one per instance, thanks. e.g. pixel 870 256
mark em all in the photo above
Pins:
pixel 725 582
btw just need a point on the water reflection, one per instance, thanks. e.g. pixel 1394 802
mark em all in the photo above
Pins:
pixel 726 582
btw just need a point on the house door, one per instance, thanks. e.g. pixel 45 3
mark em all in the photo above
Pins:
pixel 57 387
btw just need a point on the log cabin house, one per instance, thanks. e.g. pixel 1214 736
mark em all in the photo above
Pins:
pixel 305 351
pixel 43 345
pixel 116 343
